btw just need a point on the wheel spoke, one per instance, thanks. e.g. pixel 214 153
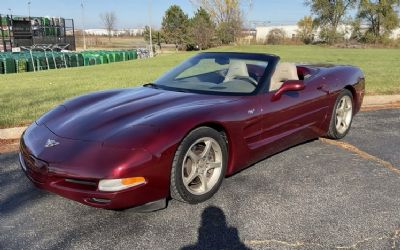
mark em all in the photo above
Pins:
pixel 213 165
pixel 344 123
pixel 341 104
pixel 191 177
pixel 206 149
pixel 203 180
pixel 338 121
pixel 192 155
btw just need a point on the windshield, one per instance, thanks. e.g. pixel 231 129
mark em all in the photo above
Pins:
pixel 217 72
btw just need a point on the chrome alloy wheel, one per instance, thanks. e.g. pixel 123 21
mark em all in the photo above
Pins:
pixel 344 114
pixel 202 166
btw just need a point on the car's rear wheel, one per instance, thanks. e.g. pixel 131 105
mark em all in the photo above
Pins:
pixel 199 166
pixel 342 115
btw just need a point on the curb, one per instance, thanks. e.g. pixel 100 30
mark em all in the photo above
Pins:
pixel 380 100
pixel 11 133
pixel 368 102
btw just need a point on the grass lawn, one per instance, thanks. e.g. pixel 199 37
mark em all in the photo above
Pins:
pixel 24 97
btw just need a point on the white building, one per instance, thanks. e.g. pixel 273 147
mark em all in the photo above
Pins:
pixel 291 32
pixel 104 32
pixel 395 34
pixel 262 32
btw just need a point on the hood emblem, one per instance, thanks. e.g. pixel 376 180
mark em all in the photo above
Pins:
pixel 51 143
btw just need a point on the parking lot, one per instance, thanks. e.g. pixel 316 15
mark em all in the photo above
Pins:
pixel 318 195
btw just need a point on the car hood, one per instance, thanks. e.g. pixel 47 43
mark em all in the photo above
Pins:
pixel 101 115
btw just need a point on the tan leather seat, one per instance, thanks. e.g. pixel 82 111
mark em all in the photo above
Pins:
pixel 283 72
pixel 236 68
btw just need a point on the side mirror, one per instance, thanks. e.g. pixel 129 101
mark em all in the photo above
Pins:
pixel 289 85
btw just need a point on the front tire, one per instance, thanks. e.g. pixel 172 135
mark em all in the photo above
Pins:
pixel 199 166
pixel 342 115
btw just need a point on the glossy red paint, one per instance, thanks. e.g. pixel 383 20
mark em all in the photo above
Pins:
pixel 135 132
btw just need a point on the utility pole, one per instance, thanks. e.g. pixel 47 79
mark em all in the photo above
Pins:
pixel 83 25
pixel 151 38
pixel 29 10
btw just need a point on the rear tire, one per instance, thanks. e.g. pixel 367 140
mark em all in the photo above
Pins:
pixel 199 166
pixel 342 116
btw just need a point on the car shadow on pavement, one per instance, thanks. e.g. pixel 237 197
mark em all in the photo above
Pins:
pixel 214 232
pixel 17 190
pixel 21 199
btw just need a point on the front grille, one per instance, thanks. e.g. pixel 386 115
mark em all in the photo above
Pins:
pixel 82 182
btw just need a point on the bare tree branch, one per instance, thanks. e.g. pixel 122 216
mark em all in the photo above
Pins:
pixel 109 20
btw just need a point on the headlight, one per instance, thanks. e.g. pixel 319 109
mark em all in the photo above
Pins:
pixel 111 185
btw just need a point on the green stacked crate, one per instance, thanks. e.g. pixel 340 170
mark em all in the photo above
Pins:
pixel 30 64
pixel 41 63
pixel 5 32
pixel 73 60
pixel 39 60
pixel 90 60
pixel 21 65
pixel 59 62
pixel 121 54
pixel 102 57
pixel 129 55
pixel 67 60
pixel 80 60
pixel 8 65
pixel 124 55
pixel 51 62
pixel 86 60
pixel 134 54
pixel 118 57
pixel 111 57
pixel 4 21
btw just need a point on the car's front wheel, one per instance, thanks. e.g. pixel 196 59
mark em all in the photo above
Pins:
pixel 342 115
pixel 199 166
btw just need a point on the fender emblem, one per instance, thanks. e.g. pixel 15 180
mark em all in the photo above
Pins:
pixel 51 143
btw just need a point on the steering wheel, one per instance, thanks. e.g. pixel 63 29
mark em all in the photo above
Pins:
pixel 247 79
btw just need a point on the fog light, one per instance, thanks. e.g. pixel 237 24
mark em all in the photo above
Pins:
pixel 111 185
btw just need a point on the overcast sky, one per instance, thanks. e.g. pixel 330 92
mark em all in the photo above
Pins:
pixel 134 13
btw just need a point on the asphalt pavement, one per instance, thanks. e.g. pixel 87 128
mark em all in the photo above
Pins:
pixel 312 196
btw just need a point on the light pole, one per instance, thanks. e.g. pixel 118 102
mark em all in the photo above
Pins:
pixel 29 9
pixel 83 25
pixel 9 9
pixel 150 38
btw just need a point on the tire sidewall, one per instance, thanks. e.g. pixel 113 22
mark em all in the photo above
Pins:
pixel 185 145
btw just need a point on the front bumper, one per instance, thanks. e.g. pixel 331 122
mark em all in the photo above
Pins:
pixel 82 191
pixel 77 177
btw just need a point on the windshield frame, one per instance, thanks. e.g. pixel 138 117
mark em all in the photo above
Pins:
pixel 271 60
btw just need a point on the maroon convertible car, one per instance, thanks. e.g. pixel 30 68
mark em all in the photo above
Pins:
pixel 211 116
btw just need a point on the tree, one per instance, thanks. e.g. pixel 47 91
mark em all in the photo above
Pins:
pixel 227 15
pixel 202 29
pixel 329 15
pixel 276 36
pixel 174 26
pixel 306 28
pixel 109 20
pixel 381 17
pixel 156 35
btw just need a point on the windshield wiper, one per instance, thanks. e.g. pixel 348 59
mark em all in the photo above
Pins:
pixel 151 85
